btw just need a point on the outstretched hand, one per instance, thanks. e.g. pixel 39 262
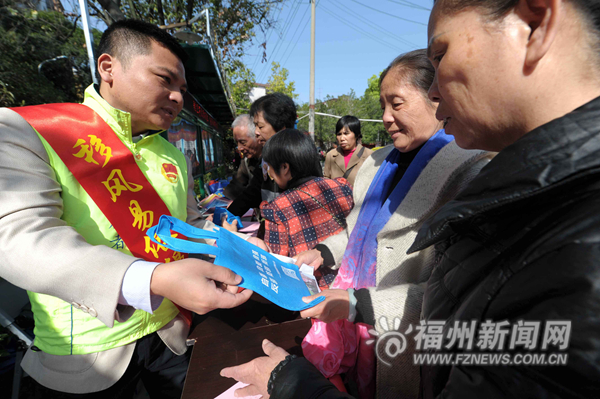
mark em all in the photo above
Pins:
pixel 257 372
pixel 336 306
pixel 311 257
pixel 198 285
pixel 229 226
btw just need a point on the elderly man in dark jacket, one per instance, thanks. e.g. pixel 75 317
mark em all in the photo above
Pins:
pixel 251 150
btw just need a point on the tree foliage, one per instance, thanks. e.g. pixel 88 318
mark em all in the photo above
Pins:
pixel 44 57
pixel 233 25
pixel 241 81
pixel 365 107
pixel 278 82
pixel 232 22
pixel 370 106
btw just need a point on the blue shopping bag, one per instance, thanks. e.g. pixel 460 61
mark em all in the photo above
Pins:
pixel 277 281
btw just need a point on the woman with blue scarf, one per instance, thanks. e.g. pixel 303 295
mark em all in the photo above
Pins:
pixel 378 285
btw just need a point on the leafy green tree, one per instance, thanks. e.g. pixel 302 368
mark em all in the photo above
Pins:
pixel 6 96
pixel 365 107
pixel 373 132
pixel 324 125
pixel 241 81
pixel 44 57
pixel 278 82
pixel 233 24
pixel 346 104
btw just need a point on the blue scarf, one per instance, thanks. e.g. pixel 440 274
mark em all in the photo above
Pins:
pixel 360 259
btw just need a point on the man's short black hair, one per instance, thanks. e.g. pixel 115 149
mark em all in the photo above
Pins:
pixel 296 149
pixel 127 38
pixel 278 110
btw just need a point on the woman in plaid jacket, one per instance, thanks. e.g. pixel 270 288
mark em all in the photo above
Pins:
pixel 312 207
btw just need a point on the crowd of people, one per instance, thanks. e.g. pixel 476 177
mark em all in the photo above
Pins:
pixel 481 211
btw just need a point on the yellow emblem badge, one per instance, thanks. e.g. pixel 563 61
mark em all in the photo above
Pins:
pixel 169 171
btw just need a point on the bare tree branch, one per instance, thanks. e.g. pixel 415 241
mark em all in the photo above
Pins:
pixel 190 9
pixel 161 14
pixel 103 15
pixel 74 28
pixel 133 12
pixel 113 8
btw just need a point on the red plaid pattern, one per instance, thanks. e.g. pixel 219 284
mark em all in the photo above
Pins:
pixel 295 222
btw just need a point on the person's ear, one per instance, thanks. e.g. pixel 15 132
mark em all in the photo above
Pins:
pixel 285 171
pixel 106 65
pixel 543 17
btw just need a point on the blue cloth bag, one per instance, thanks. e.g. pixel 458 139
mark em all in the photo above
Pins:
pixel 277 281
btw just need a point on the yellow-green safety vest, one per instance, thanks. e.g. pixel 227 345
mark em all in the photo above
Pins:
pixel 61 328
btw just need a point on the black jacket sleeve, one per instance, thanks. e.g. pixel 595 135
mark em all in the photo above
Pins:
pixel 364 307
pixel 559 285
pixel 299 379
pixel 249 198
pixel 240 181
pixel 326 254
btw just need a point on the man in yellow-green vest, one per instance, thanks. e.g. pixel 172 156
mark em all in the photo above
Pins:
pixel 79 186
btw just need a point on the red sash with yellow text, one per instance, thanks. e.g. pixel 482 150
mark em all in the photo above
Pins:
pixel 107 171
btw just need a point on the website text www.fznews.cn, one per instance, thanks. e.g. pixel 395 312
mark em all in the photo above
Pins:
pixel 491 359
